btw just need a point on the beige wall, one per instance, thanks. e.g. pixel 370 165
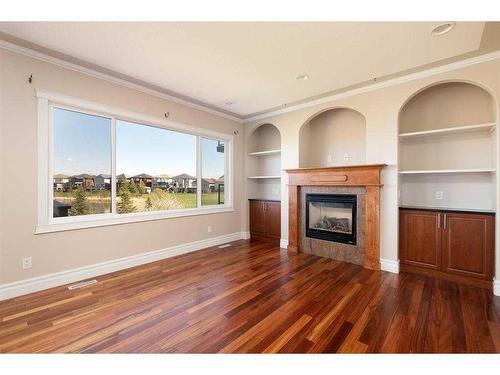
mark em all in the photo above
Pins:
pixel 60 251
pixel 381 109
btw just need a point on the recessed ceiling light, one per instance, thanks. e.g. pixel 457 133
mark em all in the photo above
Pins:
pixel 302 77
pixel 442 28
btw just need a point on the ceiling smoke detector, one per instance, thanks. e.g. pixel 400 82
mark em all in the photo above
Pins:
pixel 443 28
pixel 302 77
pixel 228 103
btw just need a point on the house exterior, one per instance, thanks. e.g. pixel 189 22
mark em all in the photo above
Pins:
pixel 84 180
pixel 184 183
pixel 103 181
pixel 219 183
pixel 164 181
pixel 207 185
pixel 148 181
pixel 61 182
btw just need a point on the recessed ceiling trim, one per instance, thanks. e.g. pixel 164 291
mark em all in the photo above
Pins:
pixel 33 53
pixel 375 86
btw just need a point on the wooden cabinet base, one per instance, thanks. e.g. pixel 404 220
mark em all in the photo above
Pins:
pixel 265 220
pixel 485 284
pixel 450 245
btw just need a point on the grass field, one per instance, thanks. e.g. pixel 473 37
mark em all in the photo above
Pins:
pixel 100 202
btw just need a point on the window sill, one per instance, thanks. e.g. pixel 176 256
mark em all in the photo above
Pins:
pixel 74 223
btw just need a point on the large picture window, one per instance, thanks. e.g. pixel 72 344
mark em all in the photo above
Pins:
pixel 110 166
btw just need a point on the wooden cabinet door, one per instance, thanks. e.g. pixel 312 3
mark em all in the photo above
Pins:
pixel 420 238
pixel 273 219
pixel 468 241
pixel 257 218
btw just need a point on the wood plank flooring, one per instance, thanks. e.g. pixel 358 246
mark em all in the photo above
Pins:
pixel 253 298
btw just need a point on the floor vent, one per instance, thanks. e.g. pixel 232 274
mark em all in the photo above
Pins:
pixel 225 245
pixel 82 284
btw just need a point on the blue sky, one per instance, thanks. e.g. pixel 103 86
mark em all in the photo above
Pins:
pixel 82 144
pixel 81 149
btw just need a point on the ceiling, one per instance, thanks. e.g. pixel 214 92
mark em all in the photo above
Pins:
pixel 252 65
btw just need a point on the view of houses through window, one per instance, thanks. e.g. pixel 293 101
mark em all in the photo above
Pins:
pixel 155 168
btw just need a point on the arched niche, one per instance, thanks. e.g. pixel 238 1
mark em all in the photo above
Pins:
pixel 447 147
pixel 265 137
pixel 332 138
pixel 264 162
pixel 447 105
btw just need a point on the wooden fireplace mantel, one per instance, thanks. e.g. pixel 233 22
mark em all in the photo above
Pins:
pixel 367 176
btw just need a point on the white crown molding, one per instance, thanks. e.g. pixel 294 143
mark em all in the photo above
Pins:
pixel 496 287
pixel 376 86
pixel 22 287
pixel 106 77
pixel 389 265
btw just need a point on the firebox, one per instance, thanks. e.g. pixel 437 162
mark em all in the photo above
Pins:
pixel 331 217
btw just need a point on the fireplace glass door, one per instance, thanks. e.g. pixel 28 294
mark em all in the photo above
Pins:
pixel 331 217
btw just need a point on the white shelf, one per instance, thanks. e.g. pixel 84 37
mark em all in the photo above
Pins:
pixel 263 177
pixel 449 171
pixel 455 130
pixel 264 153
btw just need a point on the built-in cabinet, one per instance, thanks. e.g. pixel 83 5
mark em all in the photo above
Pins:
pixel 459 244
pixel 447 182
pixel 265 219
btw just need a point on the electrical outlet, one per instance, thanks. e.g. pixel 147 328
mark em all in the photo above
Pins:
pixel 27 263
pixel 209 229
pixel 439 194
pixel 346 157
pixel 329 158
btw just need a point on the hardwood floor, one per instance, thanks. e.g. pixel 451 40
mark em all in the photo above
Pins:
pixel 252 297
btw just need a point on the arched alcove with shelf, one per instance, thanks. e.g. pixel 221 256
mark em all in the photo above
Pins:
pixel 447 148
pixel 333 137
pixel 264 163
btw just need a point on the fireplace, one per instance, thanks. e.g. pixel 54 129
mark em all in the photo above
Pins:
pixel 331 217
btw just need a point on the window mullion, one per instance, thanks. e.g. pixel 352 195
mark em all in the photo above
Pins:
pixel 113 166
pixel 198 171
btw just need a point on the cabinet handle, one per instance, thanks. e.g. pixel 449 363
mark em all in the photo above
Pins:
pixel 444 222
pixel 439 220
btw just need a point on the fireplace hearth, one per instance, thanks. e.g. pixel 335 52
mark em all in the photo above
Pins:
pixel 331 217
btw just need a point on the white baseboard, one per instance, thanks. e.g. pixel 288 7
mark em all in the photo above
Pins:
pixel 496 287
pixel 283 243
pixel 19 288
pixel 389 265
pixel 246 235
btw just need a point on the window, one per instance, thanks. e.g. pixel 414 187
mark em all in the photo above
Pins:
pixel 156 169
pixel 213 166
pixel 109 166
pixel 82 164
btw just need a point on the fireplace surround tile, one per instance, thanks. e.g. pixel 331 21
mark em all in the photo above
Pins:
pixel 334 250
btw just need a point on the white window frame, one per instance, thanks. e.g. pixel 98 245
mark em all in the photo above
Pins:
pixel 47 223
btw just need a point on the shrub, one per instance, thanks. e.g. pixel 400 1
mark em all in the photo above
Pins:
pixel 80 206
pixel 125 204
